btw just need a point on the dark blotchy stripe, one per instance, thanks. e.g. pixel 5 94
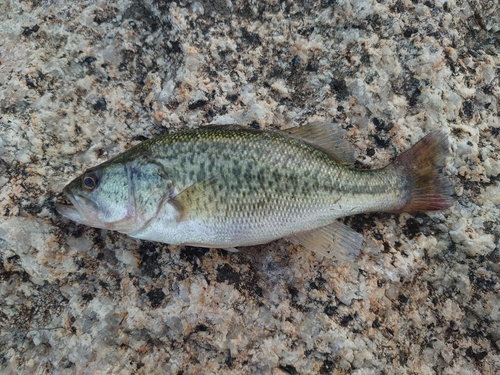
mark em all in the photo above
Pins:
pixel 261 169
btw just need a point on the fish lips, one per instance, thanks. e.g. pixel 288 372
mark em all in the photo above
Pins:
pixel 81 210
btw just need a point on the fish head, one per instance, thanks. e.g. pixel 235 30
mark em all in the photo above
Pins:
pixel 102 197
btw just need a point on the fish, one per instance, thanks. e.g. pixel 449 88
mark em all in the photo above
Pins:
pixel 231 186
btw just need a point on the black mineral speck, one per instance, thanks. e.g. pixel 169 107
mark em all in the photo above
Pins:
pixel 257 290
pixel 344 322
pixel 311 66
pixel 100 104
pixel 296 61
pixel 254 124
pixel 87 297
pixel 139 138
pixel 192 254
pixel 403 357
pixel 313 285
pixel 414 97
pixel 156 297
pixel 150 263
pixel 482 283
pixel 409 32
pixel 79 262
pixel 250 38
pixel 294 292
pixel 403 299
pixel 174 47
pixel 413 91
pixel 340 87
pixel 201 328
pixel 327 367
pixel 468 109
pixel 227 273
pixel 381 126
pixel 32 209
pixel 412 228
pixel 197 104
pixel 330 310
pixel 89 60
pixel 479 356
pixel 361 222
pixel 289 369
pixel 229 360
pixel 25 276
pixel 382 142
pixel 140 12
pixel 27 31
pixel 370 151
pixel 488 89
pixel 30 82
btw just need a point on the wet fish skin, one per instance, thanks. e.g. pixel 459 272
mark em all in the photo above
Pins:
pixel 231 186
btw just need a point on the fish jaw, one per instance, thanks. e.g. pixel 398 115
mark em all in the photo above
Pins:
pixel 70 212
pixel 81 210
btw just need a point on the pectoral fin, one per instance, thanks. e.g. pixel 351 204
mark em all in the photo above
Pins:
pixel 197 200
pixel 334 240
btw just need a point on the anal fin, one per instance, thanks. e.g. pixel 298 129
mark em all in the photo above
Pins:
pixel 232 249
pixel 332 241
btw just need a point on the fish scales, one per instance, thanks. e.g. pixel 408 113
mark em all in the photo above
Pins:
pixel 291 180
pixel 233 186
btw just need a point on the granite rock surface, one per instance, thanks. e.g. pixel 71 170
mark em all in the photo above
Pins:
pixel 81 81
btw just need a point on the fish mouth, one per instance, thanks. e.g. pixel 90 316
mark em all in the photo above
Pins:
pixel 69 211
pixel 81 210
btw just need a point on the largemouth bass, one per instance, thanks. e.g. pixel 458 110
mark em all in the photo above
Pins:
pixel 231 186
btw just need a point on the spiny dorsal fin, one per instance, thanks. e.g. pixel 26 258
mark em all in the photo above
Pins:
pixel 333 241
pixel 329 137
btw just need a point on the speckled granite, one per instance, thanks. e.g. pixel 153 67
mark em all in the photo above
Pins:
pixel 81 81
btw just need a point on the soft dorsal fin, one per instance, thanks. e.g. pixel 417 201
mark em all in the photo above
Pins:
pixel 332 241
pixel 329 137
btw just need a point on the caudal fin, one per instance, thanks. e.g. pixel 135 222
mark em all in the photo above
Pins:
pixel 428 188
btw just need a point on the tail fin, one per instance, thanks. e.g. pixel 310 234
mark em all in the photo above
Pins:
pixel 428 188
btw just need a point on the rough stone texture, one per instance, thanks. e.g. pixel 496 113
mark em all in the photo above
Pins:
pixel 81 81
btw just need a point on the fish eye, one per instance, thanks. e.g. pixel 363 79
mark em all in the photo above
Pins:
pixel 90 180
